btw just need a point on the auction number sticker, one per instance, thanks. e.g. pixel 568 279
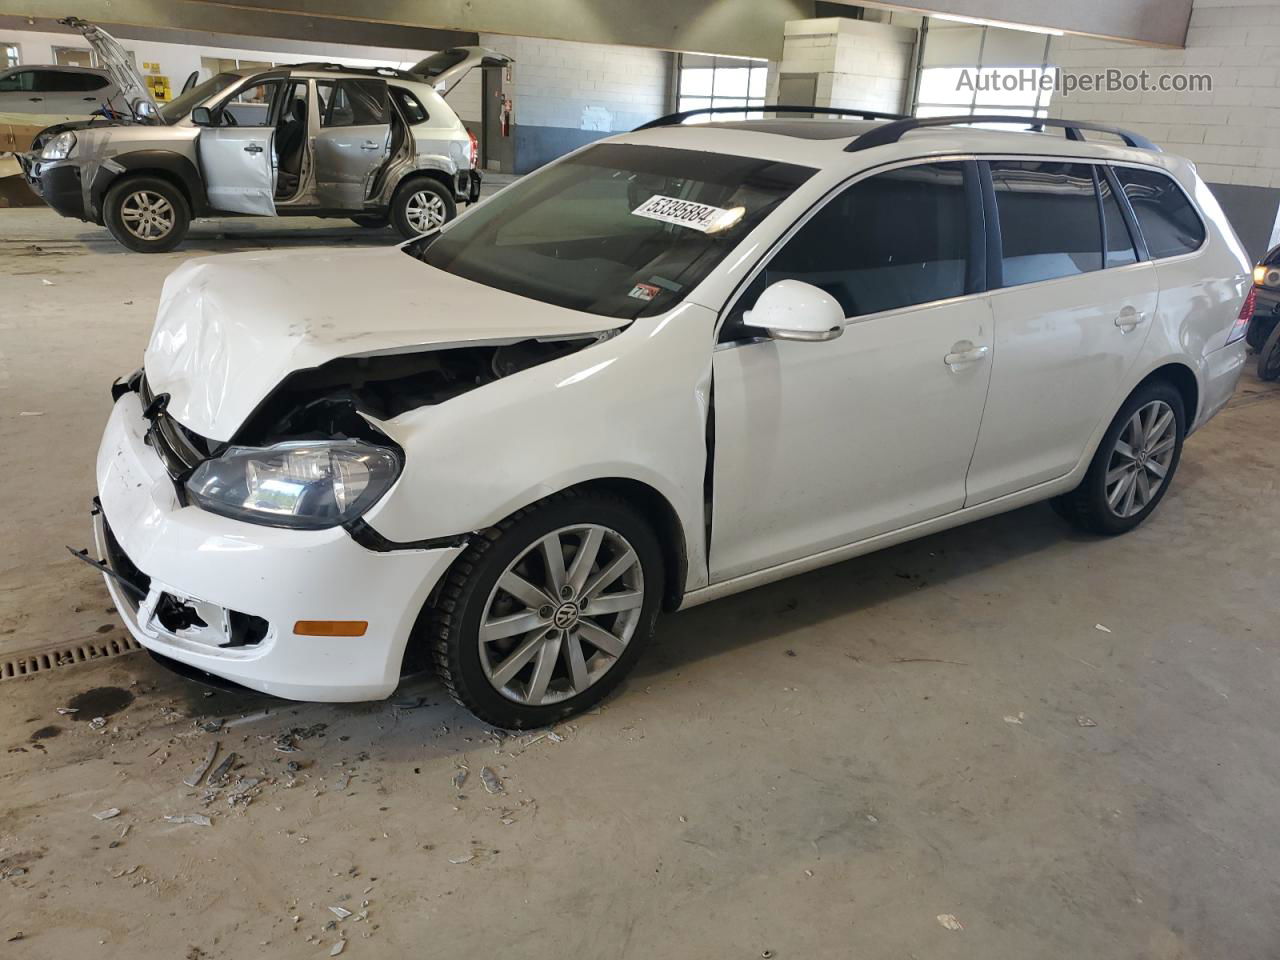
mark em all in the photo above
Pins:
pixel 697 216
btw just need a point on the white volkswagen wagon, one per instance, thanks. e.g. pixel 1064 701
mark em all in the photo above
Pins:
pixel 673 365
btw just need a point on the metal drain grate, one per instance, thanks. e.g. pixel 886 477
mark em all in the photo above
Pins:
pixel 41 661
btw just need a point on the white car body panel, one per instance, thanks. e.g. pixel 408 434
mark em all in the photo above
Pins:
pixel 820 451
pixel 230 328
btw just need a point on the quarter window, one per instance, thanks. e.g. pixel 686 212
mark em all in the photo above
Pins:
pixel 410 106
pixel 1049 224
pixel 893 240
pixel 1168 222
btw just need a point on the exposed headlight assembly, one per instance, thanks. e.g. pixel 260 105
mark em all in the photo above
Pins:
pixel 306 485
pixel 60 147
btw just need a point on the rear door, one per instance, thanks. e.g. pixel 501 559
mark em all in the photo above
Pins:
pixel 353 139
pixel 1073 309
pixel 237 156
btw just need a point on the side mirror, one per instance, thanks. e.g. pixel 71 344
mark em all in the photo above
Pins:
pixel 794 310
pixel 201 117
pixel 144 109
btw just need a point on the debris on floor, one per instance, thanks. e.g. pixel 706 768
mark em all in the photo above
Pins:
pixel 1016 720
pixel 460 777
pixel 492 782
pixel 199 819
pixel 1098 626
pixel 219 776
pixel 193 779
pixel 340 912
pixel 1086 721
pixel 338 948
pixel 107 814
pixel 949 921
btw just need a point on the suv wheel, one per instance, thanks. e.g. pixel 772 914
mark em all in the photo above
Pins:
pixel 420 206
pixel 1134 465
pixel 548 611
pixel 146 214
pixel 1269 357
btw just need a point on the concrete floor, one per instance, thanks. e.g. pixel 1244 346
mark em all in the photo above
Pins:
pixel 820 768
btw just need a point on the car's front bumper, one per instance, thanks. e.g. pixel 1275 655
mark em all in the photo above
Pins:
pixel 215 565
pixel 58 184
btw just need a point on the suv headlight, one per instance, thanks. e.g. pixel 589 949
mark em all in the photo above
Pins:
pixel 60 147
pixel 305 484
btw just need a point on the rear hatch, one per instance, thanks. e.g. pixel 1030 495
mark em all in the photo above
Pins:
pixel 444 70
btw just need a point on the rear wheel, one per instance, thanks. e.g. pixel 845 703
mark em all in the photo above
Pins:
pixel 146 214
pixel 1259 330
pixel 545 613
pixel 1133 466
pixel 420 206
pixel 1269 357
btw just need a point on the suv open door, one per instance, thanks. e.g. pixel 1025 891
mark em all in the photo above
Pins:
pixel 445 69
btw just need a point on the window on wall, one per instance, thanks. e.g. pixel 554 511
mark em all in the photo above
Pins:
pixel 967 69
pixel 9 55
pixel 708 81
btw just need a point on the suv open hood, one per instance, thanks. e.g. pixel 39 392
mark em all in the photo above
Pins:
pixel 231 328
pixel 115 59
pixel 445 69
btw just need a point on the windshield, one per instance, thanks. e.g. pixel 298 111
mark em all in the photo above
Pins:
pixel 176 109
pixel 619 230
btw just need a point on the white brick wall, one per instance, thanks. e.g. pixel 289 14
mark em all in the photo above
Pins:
pixel 858 63
pixel 583 86
pixel 1232 133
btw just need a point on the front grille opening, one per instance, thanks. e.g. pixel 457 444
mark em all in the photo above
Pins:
pixel 246 629
pixel 175 615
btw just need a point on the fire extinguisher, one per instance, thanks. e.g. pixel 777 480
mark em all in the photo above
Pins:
pixel 506 116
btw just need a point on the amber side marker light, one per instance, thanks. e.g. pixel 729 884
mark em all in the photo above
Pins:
pixel 331 628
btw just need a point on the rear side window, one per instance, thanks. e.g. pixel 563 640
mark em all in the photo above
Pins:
pixel 58 80
pixel 353 102
pixel 893 240
pixel 1049 223
pixel 410 106
pixel 1169 223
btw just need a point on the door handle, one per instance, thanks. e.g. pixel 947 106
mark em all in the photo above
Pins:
pixel 1128 318
pixel 965 353
pixel 369 145
pixel 253 148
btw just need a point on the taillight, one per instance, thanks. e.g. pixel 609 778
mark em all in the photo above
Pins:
pixel 474 149
pixel 1245 315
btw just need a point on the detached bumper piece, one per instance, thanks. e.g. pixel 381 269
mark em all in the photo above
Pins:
pixel 473 185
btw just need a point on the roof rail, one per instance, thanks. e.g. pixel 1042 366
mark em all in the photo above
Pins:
pixel 673 119
pixel 892 132
pixel 342 68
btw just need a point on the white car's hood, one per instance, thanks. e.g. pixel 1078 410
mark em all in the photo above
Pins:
pixel 230 328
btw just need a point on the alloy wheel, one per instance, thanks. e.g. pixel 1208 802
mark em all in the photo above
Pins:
pixel 561 615
pixel 425 211
pixel 1141 458
pixel 147 215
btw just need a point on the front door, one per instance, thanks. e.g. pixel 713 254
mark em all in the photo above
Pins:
pixel 237 154
pixel 353 139
pixel 1071 317
pixel 819 445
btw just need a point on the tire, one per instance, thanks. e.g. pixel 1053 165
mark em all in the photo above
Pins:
pixel 1259 329
pixel 141 205
pixel 371 222
pixel 497 680
pixel 1269 357
pixel 407 207
pixel 1088 507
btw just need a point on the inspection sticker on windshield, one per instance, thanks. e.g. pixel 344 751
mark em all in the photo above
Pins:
pixel 685 213
pixel 644 291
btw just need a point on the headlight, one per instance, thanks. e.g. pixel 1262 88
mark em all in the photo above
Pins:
pixel 60 147
pixel 306 484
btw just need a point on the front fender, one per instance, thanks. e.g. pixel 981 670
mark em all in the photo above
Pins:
pixel 634 407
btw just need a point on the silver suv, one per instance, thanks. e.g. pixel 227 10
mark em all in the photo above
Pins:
pixel 314 139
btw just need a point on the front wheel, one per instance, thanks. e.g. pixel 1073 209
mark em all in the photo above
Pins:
pixel 1133 466
pixel 420 206
pixel 146 214
pixel 544 614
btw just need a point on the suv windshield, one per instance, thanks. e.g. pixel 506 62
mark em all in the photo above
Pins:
pixel 619 230
pixel 176 109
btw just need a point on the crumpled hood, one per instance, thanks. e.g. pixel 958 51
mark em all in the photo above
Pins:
pixel 230 328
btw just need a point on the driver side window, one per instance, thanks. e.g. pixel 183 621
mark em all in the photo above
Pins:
pixel 893 240
pixel 251 105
